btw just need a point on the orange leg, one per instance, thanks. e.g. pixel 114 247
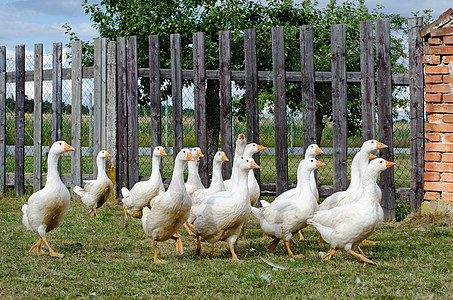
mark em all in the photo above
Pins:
pixel 360 250
pixel 212 250
pixel 126 218
pixel 329 254
pixel 369 243
pixel 290 253
pixel 156 259
pixel 233 254
pixel 188 229
pixel 197 253
pixel 301 237
pixel 243 231
pixel 361 257
pixel 178 243
pixel 273 245
pixel 36 248
pixel 51 252
pixel 93 212
pixel 321 241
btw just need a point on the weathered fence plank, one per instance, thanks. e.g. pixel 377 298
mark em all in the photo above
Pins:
pixel 339 107
pixel 384 93
pixel 176 88
pixel 123 171
pixel 132 109
pixel 199 91
pixel 2 119
pixel 56 92
pixel 367 76
pixel 251 91
pixel 416 113
pixel 226 115
pixel 281 146
pixel 37 131
pixel 19 160
pixel 308 85
pixel 76 113
pixel 154 90
pixel 111 117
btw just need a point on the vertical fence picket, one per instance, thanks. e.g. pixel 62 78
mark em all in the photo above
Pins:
pixel 2 119
pixel 154 90
pixel 123 171
pixel 199 89
pixel 56 94
pixel 251 90
pixel 37 131
pixel 176 88
pixel 384 93
pixel 111 116
pixel 281 145
pixel 339 107
pixel 76 113
pixel 132 108
pixel 308 85
pixel 367 80
pixel 19 171
pixel 416 113
pixel 225 99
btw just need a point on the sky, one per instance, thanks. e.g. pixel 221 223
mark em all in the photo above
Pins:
pixel 40 21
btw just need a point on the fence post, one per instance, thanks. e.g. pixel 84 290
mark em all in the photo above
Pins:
pixel 2 118
pixel 123 170
pixel 308 85
pixel 225 99
pixel 76 113
pixel 176 88
pixel 19 172
pixel 132 108
pixel 199 90
pixel 367 80
pixel 37 132
pixel 154 88
pixel 416 113
pixel 279 80
pixel 56 94
pixel 384 92
pixel 251 89
pixel 339 107
pixel 111 117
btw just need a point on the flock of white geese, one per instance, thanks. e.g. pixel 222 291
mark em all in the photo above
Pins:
pixel 219 212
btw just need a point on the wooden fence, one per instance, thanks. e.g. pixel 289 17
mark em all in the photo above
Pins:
pixel 116 75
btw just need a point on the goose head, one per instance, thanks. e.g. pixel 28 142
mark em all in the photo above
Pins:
pixel 241 141
pixel 60 147
pixel 103 154
pixel 311 164
pixel 159 151
pixel 185 155
pixel 220 156
pixel 312 151
pixel 196 153
pixel 372 145
pixel 247 163
pixel 379 165
pixel 253 148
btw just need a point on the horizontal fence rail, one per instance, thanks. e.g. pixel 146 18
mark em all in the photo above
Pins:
pixel 115 109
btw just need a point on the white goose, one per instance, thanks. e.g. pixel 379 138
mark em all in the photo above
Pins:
pixel 281 219
pixel 241 142
pixel 169 210
pixel 96 192
pixel 346 226
pixel 144 191
pixel 47 207
pixel 222 215
pixel 194 181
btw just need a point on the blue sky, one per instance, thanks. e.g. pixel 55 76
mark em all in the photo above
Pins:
pixel 40 21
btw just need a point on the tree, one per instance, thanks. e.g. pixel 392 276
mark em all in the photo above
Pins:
pixel 114 18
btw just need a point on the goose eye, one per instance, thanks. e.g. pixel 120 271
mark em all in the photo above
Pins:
pixel 372 142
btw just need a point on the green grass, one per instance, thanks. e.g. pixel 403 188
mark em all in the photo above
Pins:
pixel 105 260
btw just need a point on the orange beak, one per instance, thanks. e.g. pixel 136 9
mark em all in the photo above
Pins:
pixel 241 137
pixel 319 164
pixel 261 148
pixel 68 147
pixel 372 156
pixel 389 164
pixel 224 157
pixel 254 165
pixel 380 145
pixel 199 153
pixel 162 152
pixel 318 150
pixel 107 154
pixel 189 156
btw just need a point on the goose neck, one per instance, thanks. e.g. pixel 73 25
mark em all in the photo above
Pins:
pixel 216 172
pixel 100 162
pixel 52 168
pixel 155 167
pixel 177 179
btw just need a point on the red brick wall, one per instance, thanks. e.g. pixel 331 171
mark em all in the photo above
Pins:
pixel 438 60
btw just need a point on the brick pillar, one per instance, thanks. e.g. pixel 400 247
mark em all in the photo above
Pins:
pixel 438 60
